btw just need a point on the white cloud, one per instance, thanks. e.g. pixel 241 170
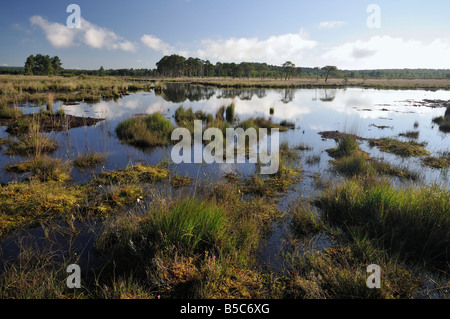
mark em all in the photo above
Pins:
pixel 389 52
pixel 156 44
pixel 331 24
pixel 61 36
pixel 275 50
pixel 159 45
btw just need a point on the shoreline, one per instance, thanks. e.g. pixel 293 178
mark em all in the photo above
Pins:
pixel 299 83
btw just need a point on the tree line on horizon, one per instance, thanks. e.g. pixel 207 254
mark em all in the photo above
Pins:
pixel 172 66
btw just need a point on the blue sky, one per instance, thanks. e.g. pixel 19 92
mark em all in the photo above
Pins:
pixel 137 33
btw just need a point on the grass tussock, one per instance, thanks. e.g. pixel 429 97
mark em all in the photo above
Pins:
pixel 134 174
pixel 89 160
pixel 340 273
pixel 410 134
pixel 229 113
pixel 29 145
pixel 151 130
pixel 437 162
pixel 9 112
pixel 195 247
pixel 403 149
pixel 412 222
pixel 43 168
pixel 347 144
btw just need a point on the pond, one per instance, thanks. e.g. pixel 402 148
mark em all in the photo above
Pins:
pixel 367 113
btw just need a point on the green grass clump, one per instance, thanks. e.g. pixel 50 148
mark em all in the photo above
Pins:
pixel 403 149
pixel 35 275
pixel 152 130
pixel 9 112
pixel 192 247
pixel 248 124
pixel 221 125
pixel 264 123
pixel 88 160
pixel 437 162
pixel 182 115
pixel 134 174
pixel 443 122
pixel 274 185
pixel 287 124
pixel 305 220
pixel 44 168
pixel 410 134
pixel 19 127
pixel 340 273
pixel 355 164
pixel 29 145
pixel 412 222
pixel 347 144
pixel 229 113
pixel 191 225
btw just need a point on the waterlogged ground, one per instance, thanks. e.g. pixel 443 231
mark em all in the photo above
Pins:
pixel 367 113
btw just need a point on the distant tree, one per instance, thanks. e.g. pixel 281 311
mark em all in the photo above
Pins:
pixel 329 70
pixel 289 69
pixel 43 65
pixel 236 70
pixel 246 69
pixel 48 66
pixel 101 71
pixel 56 65
pixel 29 65
pixel 208 68
pixel 448 75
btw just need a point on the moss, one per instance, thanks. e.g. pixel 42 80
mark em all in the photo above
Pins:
pixel 180 181
pixel 133 174
pixel 404 149
pixel 115 199
pixel 28 203
pixel 273 185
